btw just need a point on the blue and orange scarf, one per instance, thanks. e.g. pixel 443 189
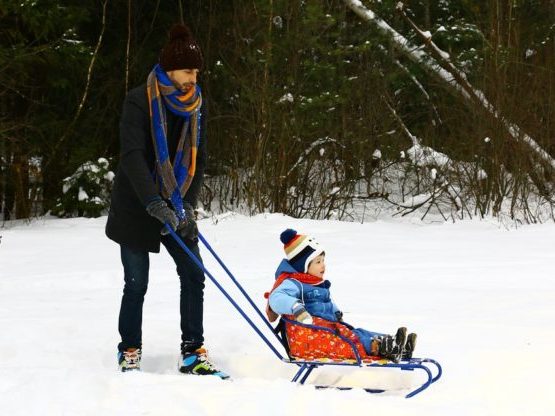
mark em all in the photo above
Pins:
pixel 174 179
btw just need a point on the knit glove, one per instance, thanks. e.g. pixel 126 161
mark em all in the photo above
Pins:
pixel 163 213
pixel 187 228
pixel 301 314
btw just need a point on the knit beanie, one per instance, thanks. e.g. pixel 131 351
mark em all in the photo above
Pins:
pixel 181 51
pixel 300 249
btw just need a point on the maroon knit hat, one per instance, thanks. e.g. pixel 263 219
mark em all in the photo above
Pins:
pixel 181 51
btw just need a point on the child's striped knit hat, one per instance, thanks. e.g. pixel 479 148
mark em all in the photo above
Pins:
pixel 300 249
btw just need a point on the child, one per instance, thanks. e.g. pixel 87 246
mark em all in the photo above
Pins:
pixel 300 293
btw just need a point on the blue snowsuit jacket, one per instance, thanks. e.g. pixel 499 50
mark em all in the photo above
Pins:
pixel 316 298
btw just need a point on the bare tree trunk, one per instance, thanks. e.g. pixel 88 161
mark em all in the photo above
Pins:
pixel 427 19
pixel 9 194
pixel 265 126
pixel 181 16
pixel 3 166
pixel 128 46
pixel 20 169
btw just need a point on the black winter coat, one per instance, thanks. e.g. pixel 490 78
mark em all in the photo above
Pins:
pixel 134 186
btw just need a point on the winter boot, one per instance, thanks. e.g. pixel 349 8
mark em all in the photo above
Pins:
pixel 129 360
pixel 409 346
pixel 196 362
pixel 401 338
pixel 387 348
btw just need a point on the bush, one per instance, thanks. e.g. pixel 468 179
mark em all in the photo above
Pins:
pixel 86 193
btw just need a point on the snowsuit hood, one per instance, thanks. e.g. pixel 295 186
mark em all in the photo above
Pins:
pixel 284 267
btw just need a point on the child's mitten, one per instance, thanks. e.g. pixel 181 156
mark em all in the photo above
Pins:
pixel 301 315
pixel 339 316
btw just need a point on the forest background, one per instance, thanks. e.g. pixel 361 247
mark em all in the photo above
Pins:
pixel 314 110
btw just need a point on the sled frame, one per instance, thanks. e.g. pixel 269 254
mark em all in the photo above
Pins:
pixel 307 366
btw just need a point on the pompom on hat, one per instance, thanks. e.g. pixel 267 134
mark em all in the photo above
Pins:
pixel 300 249
pixel 181 51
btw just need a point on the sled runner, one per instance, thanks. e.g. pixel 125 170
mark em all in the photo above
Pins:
pixel 306 367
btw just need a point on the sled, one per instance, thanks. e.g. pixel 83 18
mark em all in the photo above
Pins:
pixel 427 366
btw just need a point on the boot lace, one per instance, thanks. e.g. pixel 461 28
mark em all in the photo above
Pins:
pixel 132 357
pixel 202 355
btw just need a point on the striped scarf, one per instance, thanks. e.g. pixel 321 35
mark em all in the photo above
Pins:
pixel 174 179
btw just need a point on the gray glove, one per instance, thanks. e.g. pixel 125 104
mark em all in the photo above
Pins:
pixel 163 213
pixel 301 314
pixel 187 228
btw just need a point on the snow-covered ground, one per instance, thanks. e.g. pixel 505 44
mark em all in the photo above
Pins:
pixel 482 299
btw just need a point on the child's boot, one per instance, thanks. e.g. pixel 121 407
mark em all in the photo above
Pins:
pixel 401 338
pixel 387 349
pixel 409 346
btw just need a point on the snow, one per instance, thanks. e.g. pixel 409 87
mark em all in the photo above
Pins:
pixel 278 21
pixel 412 201
pixel 109 176
pixel 426 156
pixel 66 184
pixel 481 298
pixel 82 195
pixel 288 97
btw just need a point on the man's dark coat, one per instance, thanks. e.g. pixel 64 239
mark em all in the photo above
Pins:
pixel 134 186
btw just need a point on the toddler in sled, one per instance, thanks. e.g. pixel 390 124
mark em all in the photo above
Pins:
pixel 301 294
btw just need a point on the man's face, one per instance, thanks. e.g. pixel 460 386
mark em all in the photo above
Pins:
pixel 183 79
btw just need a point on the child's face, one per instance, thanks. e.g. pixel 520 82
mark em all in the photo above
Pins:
pixel 317 267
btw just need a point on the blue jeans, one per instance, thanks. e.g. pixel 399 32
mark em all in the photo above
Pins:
pixel 135 267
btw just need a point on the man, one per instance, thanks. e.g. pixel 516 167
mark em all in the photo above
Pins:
pixel 162 161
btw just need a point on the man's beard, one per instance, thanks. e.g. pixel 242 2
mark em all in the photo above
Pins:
pixel 184 87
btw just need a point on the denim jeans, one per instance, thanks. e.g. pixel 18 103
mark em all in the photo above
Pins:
pixel 135 267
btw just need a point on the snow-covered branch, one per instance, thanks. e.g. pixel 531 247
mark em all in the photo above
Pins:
pixel 319 142
pixel 412 137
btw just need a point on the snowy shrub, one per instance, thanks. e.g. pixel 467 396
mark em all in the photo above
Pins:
pixel 86 193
